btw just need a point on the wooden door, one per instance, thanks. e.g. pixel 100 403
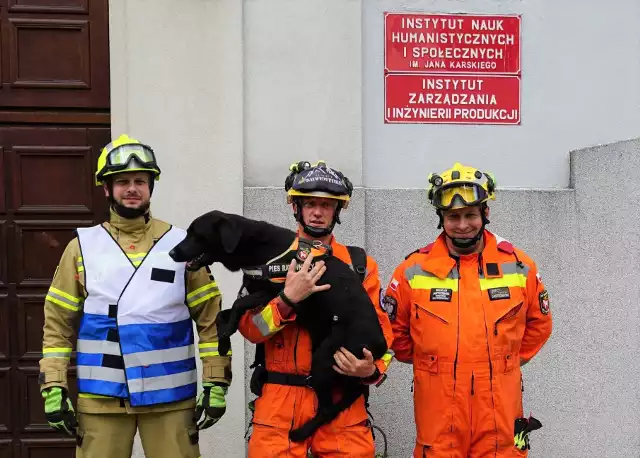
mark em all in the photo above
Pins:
pixel 54 119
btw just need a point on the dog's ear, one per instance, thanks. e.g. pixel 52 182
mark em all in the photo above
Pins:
pixel 230 234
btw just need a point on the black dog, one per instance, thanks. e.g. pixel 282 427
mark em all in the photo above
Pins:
pixel 340 316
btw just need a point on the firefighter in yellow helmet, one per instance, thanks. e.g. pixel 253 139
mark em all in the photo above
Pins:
pixel 317 194
pixel 462 187
pixel 467 311
pixel 120 298
pixel 126 154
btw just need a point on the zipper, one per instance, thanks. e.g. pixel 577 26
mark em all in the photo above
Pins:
pixel 429 313
pixel 510 314
pixel 455 361
pixel 472 392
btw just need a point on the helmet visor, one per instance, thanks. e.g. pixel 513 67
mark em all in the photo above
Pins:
pixel 120 156
pixel 459 195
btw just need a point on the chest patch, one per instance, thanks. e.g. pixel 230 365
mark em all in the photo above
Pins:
pixel 495 294
pixel 440 295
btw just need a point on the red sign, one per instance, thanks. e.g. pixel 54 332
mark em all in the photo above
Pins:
pixel 452 99
pixel 452 43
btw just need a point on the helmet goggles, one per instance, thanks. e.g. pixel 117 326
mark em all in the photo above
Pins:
pixel 459 195
pixel 119 158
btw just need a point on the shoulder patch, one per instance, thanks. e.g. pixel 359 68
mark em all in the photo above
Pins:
pixel 506 247
pixel 423 250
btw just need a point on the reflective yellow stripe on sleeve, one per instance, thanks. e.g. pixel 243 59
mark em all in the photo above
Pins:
pixel 210 349
pixel 63 299
pixel 64 353
pixel 387 358
pixel 202 294
pixel 265 323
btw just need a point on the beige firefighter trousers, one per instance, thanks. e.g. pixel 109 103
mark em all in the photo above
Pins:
pixel 163 434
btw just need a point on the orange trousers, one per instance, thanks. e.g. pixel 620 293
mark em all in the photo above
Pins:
pixel 478 424
pixel 354 441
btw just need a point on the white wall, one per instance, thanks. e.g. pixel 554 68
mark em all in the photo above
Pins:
pixel 303 87
pixel 580 68
pixel 230 92
pixel 176 84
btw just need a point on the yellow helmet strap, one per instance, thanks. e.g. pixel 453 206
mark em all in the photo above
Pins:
pixel 316 231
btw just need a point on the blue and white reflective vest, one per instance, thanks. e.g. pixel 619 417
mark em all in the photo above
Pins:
pixel 136 335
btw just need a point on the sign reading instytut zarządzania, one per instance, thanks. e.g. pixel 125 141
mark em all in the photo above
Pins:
pixel 452 43
pixel 452 99
pixel 452 68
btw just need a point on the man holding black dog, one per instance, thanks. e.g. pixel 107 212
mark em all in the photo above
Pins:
pixel 317 194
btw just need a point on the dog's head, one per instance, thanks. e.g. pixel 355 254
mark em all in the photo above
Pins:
pixel 233 240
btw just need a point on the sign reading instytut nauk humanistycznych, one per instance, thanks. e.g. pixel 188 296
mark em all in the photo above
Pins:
pixel 452 68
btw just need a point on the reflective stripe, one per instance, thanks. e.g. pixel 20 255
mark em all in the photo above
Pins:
pixel 147 358
pixel 202 289
pixel 202 294
pixel 264 322
pixel 136 258
pixel 215 353
pixel 512 275
pixel 136 255
pixel 56 353
pixel 424 282
pixel 419 278
pixel 63 299
pixel 105 347
pixel 63 295
pixel 213 350
pixel 101 373
pixel 513 268
pixel 415 270
pixel 80 264
pixel 504 281
pixel 163 382
pixel 387 357
pixel 93 396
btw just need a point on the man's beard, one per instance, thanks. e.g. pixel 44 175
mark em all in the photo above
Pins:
pixel 129 212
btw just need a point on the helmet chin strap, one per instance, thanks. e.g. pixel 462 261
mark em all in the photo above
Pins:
pixel 465 243
pixel 126 212
pixel 317 231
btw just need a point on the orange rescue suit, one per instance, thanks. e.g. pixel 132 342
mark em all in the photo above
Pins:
pixel 281 408
pixel 467 324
